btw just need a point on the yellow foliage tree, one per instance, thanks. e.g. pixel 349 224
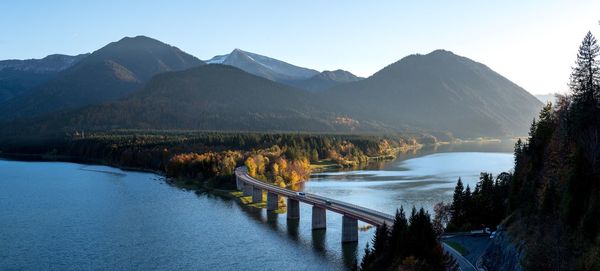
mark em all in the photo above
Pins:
pixel 251 165
pixel 294 177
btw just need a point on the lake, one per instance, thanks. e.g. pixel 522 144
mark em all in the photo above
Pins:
pixel 67 216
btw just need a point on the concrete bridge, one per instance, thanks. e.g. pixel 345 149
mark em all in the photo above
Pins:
pixel 351 213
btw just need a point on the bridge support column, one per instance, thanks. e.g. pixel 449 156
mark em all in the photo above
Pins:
pixel 247 189
pixel 272 201
pixel 293 209
pixel 349 229
pixel 256 195
pixel 238 183
pixel 318 218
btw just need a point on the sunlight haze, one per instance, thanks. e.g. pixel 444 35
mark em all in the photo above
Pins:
pixel 532 42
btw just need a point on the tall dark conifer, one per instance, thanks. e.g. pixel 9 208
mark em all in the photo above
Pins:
pixel 585 76
pixel 398 233
pixel 457 203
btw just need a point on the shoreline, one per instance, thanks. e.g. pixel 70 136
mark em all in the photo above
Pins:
pixel 175 182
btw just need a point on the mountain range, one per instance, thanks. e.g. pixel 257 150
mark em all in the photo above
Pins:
pixel 142 83
pixel 19 76
pixel 283 72
pixel 107 74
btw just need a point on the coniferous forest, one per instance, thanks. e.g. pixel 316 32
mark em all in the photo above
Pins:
pixel 550 204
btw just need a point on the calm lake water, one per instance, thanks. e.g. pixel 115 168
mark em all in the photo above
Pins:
pixel 418 179
pixel 66 216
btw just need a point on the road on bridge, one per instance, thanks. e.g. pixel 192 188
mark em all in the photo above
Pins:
pixel 367 215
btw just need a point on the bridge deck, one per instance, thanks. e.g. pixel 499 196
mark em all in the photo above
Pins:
pixel 367 215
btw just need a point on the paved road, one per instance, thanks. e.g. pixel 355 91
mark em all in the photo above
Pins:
pixel 463 263
pixel 367 215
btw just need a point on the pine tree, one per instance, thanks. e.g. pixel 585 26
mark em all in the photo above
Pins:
pixel 468 205
pixel 457 204
pixel 381 247
pixel 314 156
pixel 586 73
pixel 367 260
pixel 398 233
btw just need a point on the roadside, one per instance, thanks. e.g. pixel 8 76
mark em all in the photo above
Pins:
pixel 469 246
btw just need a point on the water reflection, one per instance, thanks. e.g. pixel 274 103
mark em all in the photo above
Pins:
pixel 318 239
pixel 350 254
pixel 420 178
pixel 148 222
pixel 292 228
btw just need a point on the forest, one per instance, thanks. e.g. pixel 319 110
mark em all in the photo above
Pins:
pixel 551 202
pixel 281 158
pixel 408 244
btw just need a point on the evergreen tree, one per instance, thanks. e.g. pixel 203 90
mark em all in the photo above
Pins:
pixel 314 156
pixel 398 233
pixel 381 248
pixel 367 260
pixel 457 204
pixel 586 73
pixel 468 206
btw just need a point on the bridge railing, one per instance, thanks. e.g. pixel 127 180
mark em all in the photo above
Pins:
pixel 242 172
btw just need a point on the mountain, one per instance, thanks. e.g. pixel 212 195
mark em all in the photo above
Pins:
pixel 282 72
pixel 324 80
pixel 107 74
pixel 209 97
pixel 266 67
pixel 545 98
pixel 440 91
pixel 18 76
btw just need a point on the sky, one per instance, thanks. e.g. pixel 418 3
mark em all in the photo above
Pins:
pixel 533 43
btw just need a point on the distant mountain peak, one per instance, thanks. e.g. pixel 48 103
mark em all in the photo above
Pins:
pixel 441 52
pixel 442 91
pixel 138 38
pixel 109 73
pixel 263 66
pixel 50 63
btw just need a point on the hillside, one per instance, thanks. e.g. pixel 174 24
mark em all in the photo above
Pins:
pixel 545 98
pixel 440 91
pixel 18 76
pixel 210 97
pixel 555 195
pixel 324 80
pixel 107 74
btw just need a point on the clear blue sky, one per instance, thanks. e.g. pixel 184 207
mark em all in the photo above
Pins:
pixel 533 43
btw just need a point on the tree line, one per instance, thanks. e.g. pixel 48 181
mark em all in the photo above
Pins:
pixel 552 200
pixel 484 206
pixel 408 244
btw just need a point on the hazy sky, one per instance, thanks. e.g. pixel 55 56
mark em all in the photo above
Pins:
pixel 533 43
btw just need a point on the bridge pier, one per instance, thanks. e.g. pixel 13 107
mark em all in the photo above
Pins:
pixel 318 218
pixel 239 184
pixel 256 195
pixel 272 201
pixel 247 188
pixel 293 209
pixel 349 229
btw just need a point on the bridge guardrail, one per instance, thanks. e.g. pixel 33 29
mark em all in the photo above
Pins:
pixel 241 172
